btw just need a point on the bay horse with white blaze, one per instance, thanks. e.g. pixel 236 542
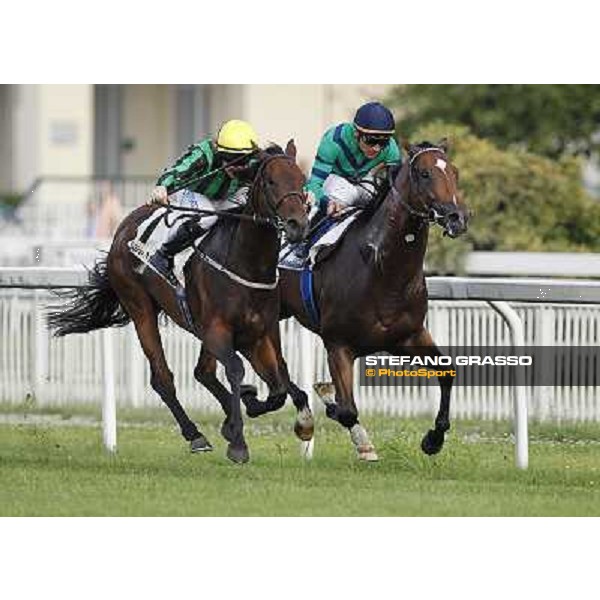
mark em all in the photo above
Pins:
pixel 371 291
pixel 233 298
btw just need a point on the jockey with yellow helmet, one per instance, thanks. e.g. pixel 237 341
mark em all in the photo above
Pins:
pixel 199 179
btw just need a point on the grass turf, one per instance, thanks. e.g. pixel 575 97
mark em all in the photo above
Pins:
pixel 52 470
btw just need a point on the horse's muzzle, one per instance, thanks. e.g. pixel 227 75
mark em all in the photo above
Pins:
pixel 295 231
pixel 455 223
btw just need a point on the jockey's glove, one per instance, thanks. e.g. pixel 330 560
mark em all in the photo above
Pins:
pixel 159 196
pixel 335 208
pixel 311 200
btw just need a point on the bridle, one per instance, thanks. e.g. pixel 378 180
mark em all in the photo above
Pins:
pixel 273 204
pixel 425 214
pixel 273 219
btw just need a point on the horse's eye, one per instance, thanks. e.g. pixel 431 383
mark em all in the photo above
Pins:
pixel 425 174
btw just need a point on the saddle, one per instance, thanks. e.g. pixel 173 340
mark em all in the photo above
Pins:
pixel 323 239
pixel 152 233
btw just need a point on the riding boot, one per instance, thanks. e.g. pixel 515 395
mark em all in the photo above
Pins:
pixel 185 236
pixel 302 248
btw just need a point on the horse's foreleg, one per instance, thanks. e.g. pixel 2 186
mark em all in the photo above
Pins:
pixel 423 345
pixel 266 359
pixel 304 427
pixel 218 341
pixel 344 411
pixel 206 374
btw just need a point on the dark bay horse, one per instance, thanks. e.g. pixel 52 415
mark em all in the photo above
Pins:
pixel 233 299
pixel 371 291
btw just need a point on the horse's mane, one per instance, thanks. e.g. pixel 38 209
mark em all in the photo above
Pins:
pixel 273 149
pixel 217 241
pixel 423 145
pixel 384 189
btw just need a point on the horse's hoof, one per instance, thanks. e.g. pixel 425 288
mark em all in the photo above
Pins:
pixel 304 433
pixel 432 442
pixel 367 454
pixel 238 454
pixel 254 408
pixel 304 427
pixel 200 444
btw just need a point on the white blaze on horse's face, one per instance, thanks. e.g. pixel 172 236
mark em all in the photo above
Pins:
pixel 440 163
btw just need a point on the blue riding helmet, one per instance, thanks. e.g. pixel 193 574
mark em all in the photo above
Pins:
pixel 374 117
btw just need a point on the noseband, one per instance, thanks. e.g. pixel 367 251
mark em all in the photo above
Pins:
pixel 273 204
pixel 425 215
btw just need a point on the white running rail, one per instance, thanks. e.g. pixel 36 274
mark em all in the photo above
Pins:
pixel 109 366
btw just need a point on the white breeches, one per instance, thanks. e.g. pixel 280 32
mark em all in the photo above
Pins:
pixel 189 199
pixel 347 193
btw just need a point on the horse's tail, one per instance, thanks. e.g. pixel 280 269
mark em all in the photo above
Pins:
pixel 90 308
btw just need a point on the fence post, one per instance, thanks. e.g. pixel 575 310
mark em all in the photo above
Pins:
pixel 40 349
pixel 543 395
pixel 517 334
pixel 109 412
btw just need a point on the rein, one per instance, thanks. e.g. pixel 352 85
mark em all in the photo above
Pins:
pixel 222 213
pixel 424 216
pixel 195 180
pixel 274 220
pixel 272 205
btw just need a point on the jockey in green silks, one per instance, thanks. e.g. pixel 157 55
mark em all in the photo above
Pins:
pixel 353 153
pixel 196 180
pixel 349 157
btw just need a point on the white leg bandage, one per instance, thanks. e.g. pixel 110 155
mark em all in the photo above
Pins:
pixel 362 443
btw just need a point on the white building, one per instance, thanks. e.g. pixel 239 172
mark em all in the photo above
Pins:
pixel 135 130
pixel 85 155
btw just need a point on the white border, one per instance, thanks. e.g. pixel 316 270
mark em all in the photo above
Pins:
pixel 308 42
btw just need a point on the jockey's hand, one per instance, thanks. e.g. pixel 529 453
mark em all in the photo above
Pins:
pixel 334 208
pixel 159 196
pixel 311 200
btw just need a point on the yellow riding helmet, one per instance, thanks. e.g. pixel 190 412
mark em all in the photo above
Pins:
pixel 237 137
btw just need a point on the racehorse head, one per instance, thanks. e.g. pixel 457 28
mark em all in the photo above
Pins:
pixel 277 190
pixel 433 183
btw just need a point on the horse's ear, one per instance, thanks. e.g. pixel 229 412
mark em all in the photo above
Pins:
pixel 290 149
pixel 444 144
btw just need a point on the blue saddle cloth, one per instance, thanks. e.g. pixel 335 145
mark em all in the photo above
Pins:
pixel 300 263
pixel 291 260
pixel 307 293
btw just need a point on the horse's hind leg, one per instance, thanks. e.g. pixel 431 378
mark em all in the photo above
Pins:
pixel 423 345
pixel 266 359
pixel 143 312
pixel 343 410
